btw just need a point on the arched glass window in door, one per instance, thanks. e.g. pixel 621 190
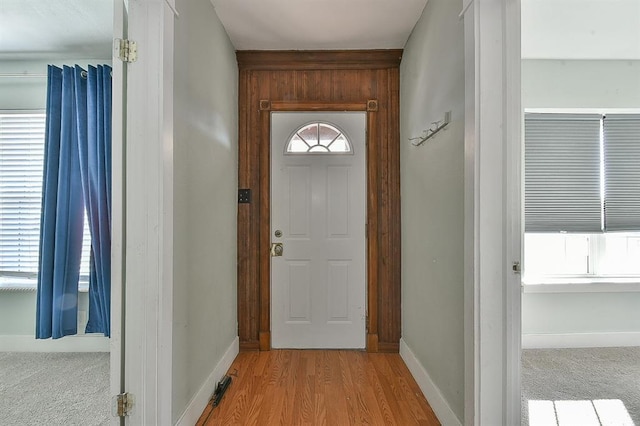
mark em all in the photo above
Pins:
pixel 318 138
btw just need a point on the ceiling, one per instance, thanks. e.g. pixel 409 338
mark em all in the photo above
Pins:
pixel 318 24
pixel 64 29
pixel 74 29
pixel 551 29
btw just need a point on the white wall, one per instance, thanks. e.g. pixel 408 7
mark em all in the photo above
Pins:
pixel 548 83
pixel 563 313
pixel 18 325
pixel 17 308
pixel 23 93
pixel 579 29
pixel 31 93
pixel 432 82
pixel 580 84
pixel 205 203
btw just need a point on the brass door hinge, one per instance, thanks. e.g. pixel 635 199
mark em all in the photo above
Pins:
pixel 127 50
pixel 123 403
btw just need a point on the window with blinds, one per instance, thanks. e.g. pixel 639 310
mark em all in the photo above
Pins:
pixel 582 195
pixel 581 172
pixel 562 173
pixel 621 149
pixel 21 171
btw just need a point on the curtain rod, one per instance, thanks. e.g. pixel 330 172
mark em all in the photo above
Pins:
pixel 83 73
pixel 22 75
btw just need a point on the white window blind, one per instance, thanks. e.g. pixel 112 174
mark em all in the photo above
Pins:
pixel 562 173
pixel 21 157
pixel 21 170
pixel 621 172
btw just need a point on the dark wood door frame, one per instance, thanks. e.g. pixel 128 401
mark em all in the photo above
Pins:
pixel 383 198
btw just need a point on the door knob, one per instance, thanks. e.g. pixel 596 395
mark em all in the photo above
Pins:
pixel 276 249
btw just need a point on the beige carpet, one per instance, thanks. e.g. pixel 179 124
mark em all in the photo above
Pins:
pixel 54 389
pixel 581 386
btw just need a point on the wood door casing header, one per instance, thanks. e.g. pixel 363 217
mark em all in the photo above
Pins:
pixel 320 81
pixel 288 60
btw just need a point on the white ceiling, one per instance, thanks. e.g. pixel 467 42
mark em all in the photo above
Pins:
pixel 70 29
pixel 581 29
pixel 318 24
pixel 47 29
pixel 551 29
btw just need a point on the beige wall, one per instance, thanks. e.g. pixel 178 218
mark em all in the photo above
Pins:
pixel 432 180
pixel 548 83
pixel 205 185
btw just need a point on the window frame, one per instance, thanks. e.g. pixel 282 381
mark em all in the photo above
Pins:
pixel 22 280
pixel 596 259
pixel 327 152
pixel 597 244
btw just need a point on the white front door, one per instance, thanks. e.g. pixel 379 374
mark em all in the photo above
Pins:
pixel 318 216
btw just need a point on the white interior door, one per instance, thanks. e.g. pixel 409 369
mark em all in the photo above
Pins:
pixel 318 188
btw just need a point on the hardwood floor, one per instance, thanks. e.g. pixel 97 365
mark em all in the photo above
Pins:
pixel 320 387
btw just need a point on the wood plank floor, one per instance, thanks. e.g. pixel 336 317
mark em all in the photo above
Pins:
pixel 318 387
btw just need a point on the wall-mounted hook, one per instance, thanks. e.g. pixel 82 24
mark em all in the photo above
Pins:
pixel 426 134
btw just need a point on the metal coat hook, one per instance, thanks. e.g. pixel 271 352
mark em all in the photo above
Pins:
pixel 435 128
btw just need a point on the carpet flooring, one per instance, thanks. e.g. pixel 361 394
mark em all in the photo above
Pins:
pixel 581 386
pixel 54 389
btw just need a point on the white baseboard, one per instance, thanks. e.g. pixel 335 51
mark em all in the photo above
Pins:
pixel 437 402
pixel 580 340
pixel 199 401
pixel 79 343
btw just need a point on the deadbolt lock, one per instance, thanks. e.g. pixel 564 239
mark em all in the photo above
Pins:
pixel 276 249
pixel 278 233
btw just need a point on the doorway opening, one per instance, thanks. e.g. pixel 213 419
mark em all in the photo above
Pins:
pixel 285 81
pixel 581 351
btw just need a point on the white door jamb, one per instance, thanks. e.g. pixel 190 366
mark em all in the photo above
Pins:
pixel 492 212
pixel 149 214
pixel 116 347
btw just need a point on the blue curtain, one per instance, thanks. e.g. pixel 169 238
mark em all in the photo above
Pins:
pixel 77 175
pixel 93 103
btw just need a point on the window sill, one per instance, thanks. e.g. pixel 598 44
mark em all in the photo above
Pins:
pixel 582 285
pixel 27 285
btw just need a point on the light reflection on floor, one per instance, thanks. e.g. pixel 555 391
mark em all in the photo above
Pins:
pixel 599 412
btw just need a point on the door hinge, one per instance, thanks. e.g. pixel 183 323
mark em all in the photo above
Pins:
pixel 123 403
pixel 127 50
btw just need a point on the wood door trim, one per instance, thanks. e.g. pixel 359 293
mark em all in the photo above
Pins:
pixel 265 230
pixel 265 215
pixel 320 81
pixel 319 59
pixel 372 231
pixel 317 106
